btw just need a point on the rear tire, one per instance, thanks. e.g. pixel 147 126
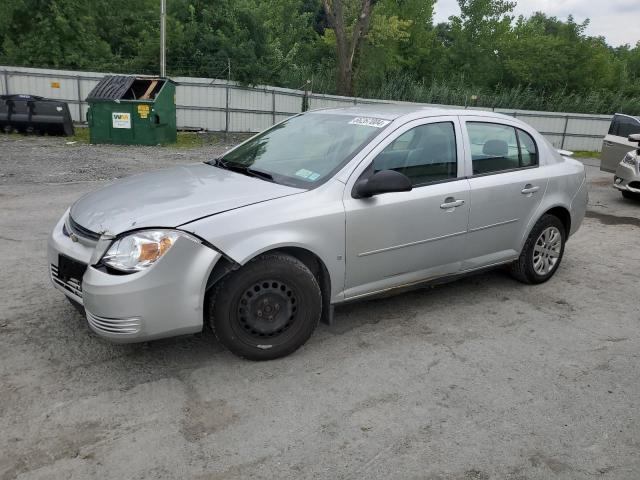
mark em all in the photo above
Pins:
pixel 630 195
pixel 542 252
pixel 267 309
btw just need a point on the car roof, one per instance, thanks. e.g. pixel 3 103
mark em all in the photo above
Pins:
pixel 629 116
pixel 393 111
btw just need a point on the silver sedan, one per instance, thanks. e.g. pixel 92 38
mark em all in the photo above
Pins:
pixel 326 207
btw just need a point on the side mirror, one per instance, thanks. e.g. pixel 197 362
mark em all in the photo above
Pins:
pixel 385 181
pixel 635 138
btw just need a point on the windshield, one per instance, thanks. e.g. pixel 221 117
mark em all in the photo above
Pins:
pixel 303 150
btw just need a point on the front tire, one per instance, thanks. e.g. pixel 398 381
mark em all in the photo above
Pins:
pixel 630 195
pixel 542 252
pixel 267 309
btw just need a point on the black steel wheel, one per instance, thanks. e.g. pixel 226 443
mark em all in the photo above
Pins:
pixel 267 309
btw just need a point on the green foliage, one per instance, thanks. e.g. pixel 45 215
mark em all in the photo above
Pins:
pixel 539 62
pixel 54 33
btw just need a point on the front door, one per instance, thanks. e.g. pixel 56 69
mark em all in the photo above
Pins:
pixel 400 238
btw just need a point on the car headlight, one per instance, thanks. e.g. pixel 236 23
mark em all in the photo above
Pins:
pixel 630 159
pixel 140 250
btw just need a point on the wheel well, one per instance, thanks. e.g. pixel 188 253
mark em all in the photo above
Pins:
pixel 319 270
pixel 563 215
pixel 310 260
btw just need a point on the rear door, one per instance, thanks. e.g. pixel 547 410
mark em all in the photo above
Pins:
pixel 616 144
pixel 506 186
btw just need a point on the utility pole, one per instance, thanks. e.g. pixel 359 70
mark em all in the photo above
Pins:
pixel 163 34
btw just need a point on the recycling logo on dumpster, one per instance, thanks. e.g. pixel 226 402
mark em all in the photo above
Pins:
pixel 121 120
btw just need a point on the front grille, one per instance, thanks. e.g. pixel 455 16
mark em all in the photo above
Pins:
pixel 81 231
pixel 71 285
pixel 118 326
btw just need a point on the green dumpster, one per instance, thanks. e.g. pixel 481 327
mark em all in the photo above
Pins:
pixel 129 110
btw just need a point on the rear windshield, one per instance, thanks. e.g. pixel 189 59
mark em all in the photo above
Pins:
pixel 307 149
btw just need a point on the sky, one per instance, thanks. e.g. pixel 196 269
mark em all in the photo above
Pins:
pixel 616 20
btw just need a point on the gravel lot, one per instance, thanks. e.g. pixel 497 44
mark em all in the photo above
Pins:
pixel 479 379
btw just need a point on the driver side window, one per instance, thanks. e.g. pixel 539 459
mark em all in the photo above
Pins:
pixel 426 154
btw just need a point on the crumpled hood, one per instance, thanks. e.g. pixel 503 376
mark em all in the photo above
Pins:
pixel 171 197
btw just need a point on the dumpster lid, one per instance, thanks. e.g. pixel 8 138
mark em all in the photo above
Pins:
pixel 121 87
pixel 111 87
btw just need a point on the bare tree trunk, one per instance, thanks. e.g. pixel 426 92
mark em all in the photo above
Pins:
pixel 347 49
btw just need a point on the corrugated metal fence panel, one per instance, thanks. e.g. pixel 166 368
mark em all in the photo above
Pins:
pixel 325 101
pixel 544 125
pixel 70 86
pixel 200 105
pixel 204 119
pixel 580 143
pixel 589 126
pixel 288 103
pixel 249 122
pixel 218 105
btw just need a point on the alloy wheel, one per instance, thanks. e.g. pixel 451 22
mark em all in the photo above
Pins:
pixel 546 251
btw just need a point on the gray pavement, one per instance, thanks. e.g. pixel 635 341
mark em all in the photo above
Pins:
pixel 483 378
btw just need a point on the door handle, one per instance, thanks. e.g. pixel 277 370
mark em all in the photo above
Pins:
pixel 450 203
pixel 528 189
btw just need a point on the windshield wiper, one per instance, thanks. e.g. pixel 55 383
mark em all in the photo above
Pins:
pixel 217 162
pixel 236 167
pixel 259 173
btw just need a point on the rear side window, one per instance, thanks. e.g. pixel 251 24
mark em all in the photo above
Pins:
pixel 497 148
pixel 528 150
pixel 425 154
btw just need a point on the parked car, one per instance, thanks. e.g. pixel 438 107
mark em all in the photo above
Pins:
pixel 326 207
pixel 627 177
pixel 616 143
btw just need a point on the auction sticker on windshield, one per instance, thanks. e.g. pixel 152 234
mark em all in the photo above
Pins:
pixel 370 122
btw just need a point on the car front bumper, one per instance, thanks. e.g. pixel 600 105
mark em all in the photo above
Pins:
pixel 164 300
pixel 627 178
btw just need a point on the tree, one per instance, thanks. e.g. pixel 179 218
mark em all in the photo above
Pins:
pixel 477 37
pixel 348 35
pixel 54 33
pixel 378 48
pixel 398 43
pixel 207 37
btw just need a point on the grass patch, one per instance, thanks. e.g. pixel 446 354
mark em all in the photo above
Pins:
pixel 188 140
pixel 585 154
pixel 81 135
pixel 205 139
